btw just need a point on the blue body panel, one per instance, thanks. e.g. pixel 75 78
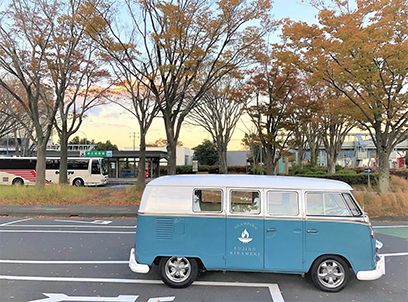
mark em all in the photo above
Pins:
pixel 245 244
pixel 350 240
pixel 201 237
pixel 253 244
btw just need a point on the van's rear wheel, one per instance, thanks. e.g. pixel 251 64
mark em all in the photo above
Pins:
pixel 178 272
pixel 330 273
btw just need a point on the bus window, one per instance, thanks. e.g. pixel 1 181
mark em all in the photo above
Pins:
pixel 104 166
pixel 96 167
pixel 52 164
pixel 78 164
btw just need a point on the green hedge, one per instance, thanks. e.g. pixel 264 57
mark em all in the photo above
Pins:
pixel 350 176
pixel 351 179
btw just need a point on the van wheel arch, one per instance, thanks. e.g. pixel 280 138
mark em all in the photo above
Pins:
pixel 201 266
pixel 330 273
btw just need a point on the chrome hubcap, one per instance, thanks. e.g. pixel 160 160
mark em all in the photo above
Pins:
pixel 331 273
pixel 178 269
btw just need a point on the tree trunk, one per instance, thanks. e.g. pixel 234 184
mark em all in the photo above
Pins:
pixel 63 167
pixel 222 158
pixel 171 156
pixel 40 166
pixel 383 171
pixel 313 155
pixel 141 180
pixel 270 160
pixel 300 155
pixel 331 159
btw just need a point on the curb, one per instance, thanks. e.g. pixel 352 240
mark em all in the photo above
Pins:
pixel 68 211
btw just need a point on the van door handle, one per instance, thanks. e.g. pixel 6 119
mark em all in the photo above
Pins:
pixel 271 230
pixel 312 231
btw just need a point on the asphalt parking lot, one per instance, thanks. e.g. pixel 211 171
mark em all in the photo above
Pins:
pixel 46 260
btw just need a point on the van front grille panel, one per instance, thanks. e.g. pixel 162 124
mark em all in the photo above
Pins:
pixel 164 228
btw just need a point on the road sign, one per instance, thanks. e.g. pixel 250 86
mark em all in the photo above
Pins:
pixel 368 170
pixel 98 153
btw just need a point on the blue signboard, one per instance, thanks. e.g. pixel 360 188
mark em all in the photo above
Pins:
pixel 368 170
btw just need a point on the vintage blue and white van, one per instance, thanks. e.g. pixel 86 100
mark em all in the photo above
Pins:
pixel 257 224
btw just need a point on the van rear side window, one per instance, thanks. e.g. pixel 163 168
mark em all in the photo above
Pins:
pixel 283 203
pixel 245 202
pixel 207 200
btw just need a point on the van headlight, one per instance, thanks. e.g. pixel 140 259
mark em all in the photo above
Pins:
pixel 378 245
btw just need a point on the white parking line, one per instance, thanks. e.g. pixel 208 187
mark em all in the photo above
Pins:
pixel 389 226
pixel 71 232
pixel 61 262
pixel 16 221
pixel 395 254
pixel 274 290
pixel 72 226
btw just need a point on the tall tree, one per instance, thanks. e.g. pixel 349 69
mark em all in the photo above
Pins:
pixel 206 153
pixel 218 112
pixel 25 40
pixel 186 47
pixel 363 53
pixel 335 122
pixel 275 93
pixel 133 96
pixel 75 70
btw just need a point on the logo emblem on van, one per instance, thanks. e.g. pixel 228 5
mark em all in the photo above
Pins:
pixel 245 237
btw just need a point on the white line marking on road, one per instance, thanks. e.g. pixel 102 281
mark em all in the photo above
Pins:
pixel 16 221
pixel 273 288
pixel 389 226
pixel 61 262
pixel 72 226
pixel 63 297
pixel 104 222
pixel 161 299
pixel 395 254
pixel 72 232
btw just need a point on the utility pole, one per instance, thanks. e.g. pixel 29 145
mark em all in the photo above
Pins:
pixel 133 135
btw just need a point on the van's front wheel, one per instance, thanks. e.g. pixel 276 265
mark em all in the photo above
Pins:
pixel 330 273
pixel 178 272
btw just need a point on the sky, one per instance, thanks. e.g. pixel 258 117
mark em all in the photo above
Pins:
pixel 111 122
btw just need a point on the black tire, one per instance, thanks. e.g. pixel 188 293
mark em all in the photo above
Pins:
pixel 78 182
pixel 178 272
pixel 330 273
pixel 18 182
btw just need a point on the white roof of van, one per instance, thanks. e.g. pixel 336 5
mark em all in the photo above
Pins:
pixel 249 181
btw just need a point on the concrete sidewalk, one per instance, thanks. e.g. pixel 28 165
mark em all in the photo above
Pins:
pixel 68 211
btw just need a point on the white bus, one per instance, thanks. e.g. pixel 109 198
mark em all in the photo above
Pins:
pixel 82 171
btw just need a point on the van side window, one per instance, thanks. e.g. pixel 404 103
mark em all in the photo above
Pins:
pixel 283 203
pixel 207 200
pixel 327 204
pixel 245 202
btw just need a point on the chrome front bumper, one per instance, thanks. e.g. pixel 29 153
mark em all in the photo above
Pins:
pixel 137 267
pixel 374 274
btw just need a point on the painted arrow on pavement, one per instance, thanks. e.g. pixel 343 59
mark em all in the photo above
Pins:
pixel 121 298
pixel 63 297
